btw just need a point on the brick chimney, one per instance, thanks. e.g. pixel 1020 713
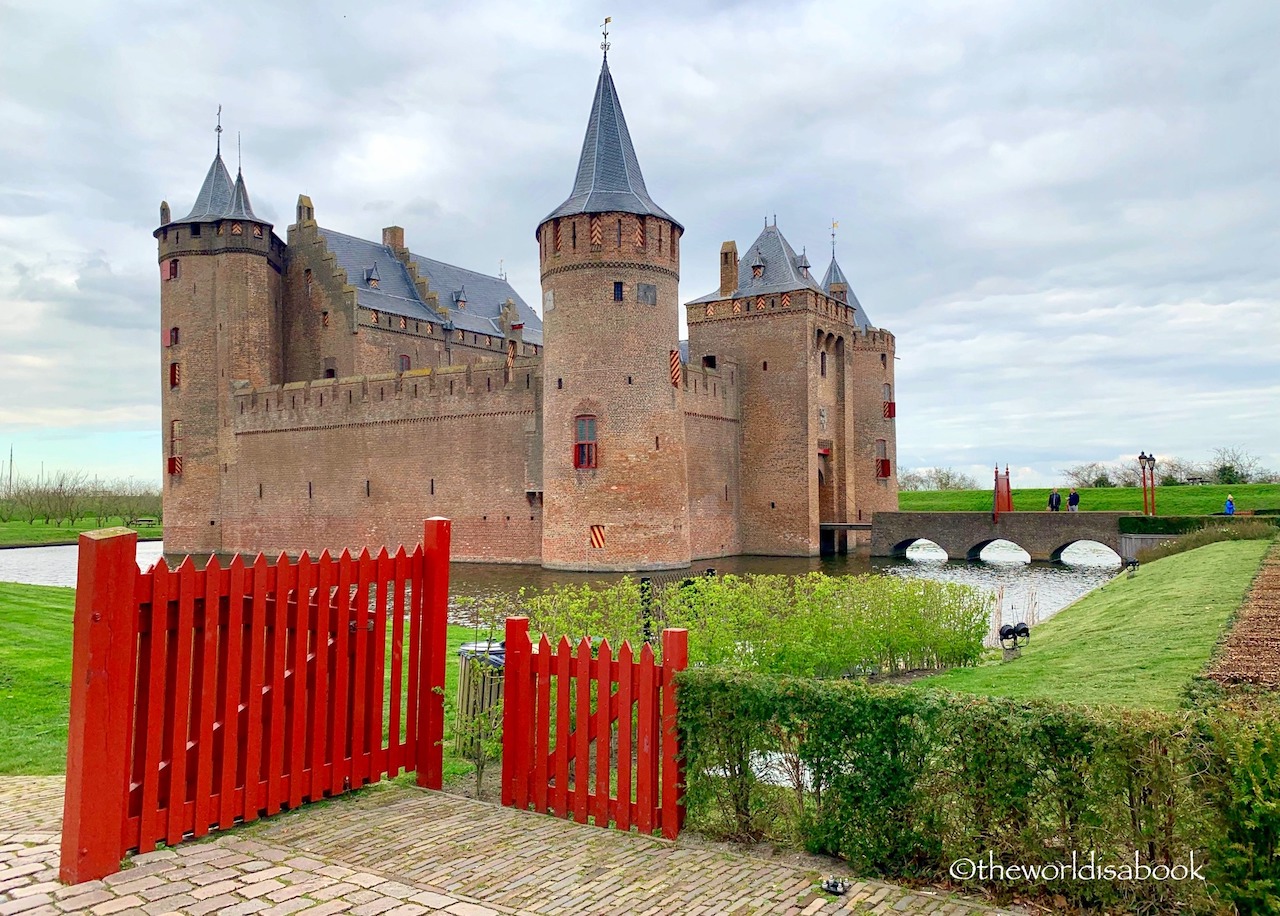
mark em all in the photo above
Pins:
pixel 728 268
pixel 393 237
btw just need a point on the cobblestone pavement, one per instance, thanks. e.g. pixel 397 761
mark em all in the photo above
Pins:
pixel 394 850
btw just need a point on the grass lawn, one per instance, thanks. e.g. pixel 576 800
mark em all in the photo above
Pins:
pixel 1133 642
pixel 20 534
pixel 1202 500
pixel 35 671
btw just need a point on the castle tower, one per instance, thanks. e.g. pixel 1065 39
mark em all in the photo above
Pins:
pixel 614 473
pixel 220 294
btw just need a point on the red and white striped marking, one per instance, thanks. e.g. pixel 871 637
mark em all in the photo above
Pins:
pixel 676 374
pixel 597 537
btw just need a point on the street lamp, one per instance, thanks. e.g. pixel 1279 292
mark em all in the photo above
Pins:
pixel 1147 466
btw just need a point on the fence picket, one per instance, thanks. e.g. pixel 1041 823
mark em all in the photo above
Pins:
pixel 254 769
pixel 560 798
pixel 416 603
pixel 397 666
pixel 542 728
pixel 604 690
pixel 299 610
pixel 582 732
pixel 149 829
pixel 232 691
pixel 360 668
pixel 322 623
pixel 341 697
pixel 675 657
pixel 279 638
pixel 205 697
pixel 183 638
pixel 377 673
pixel 646 744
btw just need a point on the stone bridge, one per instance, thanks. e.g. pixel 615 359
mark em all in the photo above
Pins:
pixel 962 535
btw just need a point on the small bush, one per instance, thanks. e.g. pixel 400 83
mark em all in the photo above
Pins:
pixel 1235 531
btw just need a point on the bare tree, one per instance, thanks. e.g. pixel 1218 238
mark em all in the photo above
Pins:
pixel 1233 464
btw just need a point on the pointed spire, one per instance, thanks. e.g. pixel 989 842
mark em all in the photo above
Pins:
pixel 608 178
pixel 240 207
pixel 833 276
pixel 215 194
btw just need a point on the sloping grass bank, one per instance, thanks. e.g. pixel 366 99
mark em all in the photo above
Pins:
pixel 1134 642
pixel 1202 500
pixel 35 675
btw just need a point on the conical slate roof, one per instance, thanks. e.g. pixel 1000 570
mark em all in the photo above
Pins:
pixel 240 206
pixel 220 198
pixel 608 178
pixel 834 275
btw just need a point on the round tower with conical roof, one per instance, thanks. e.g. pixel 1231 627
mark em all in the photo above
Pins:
pixel 220 296
pixel 615 479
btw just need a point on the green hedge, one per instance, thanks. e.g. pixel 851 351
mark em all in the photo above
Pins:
pixel 1185 524
pixel 902 783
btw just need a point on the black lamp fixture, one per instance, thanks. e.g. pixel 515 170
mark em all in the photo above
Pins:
pixel 1015 635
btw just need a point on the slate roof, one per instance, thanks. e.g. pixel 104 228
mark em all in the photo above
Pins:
pixel 220 198
pixel 396 294
pixel 781 269
pixel 608 178
pixel 836 275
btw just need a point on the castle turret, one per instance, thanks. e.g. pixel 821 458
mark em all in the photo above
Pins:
pixel 220 269
pixel 614 472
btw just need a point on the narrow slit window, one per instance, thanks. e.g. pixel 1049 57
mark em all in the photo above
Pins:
pixel 173 337
pixel 175 375
pixel 617 291
pixel 405 362
pixel 173 269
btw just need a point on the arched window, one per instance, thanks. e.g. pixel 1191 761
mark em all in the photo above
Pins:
pixel 584 442
pixel 173 337
pixel 404 362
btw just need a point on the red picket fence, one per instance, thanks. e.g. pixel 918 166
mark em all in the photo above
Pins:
pixel 205 697
pixel 565 711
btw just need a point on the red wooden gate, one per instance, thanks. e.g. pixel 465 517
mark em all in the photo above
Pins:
pixel 203 697
pixel 567 714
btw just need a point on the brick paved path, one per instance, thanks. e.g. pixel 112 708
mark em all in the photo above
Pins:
pixel 398 851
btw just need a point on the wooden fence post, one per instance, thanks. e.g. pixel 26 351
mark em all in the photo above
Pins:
pixel 103 665
pixel 675 658
pixel 435 567
pixel 515 705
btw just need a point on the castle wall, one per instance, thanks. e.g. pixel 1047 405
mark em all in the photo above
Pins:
pixel 712 434
pixel 358 461
pixel 873 357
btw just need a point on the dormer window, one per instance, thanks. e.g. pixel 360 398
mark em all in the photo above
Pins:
pixel 757 266
pixel 460 298
pixel 371 276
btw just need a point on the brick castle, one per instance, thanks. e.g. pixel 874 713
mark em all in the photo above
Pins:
pixel 326 391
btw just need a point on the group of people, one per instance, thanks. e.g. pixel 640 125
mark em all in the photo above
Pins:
pixel 1073 501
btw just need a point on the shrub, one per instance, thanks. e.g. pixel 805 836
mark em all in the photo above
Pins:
pixel 902 782
pixel 1235 531
pixel 812 625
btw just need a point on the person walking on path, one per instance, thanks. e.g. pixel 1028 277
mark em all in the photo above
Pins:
pixel 1230 507
pixel 1055 501
pixel 1073 501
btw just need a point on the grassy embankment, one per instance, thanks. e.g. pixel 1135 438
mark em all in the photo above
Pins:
pixel 1202 500
pixel 1134 642
pixel 35 673
pixel 39 534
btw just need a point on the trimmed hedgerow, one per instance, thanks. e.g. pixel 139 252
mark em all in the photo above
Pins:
pixel 903 782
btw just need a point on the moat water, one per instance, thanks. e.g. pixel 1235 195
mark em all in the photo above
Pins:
pixel 1043 588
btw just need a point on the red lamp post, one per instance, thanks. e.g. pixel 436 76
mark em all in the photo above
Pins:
pixel 1147 467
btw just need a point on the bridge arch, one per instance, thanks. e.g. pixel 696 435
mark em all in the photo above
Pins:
pixel 1055 555
pixel 899 550
pixel 974 553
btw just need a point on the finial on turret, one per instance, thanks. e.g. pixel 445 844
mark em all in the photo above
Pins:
pixel 218 130
pixel 604 45
pixel 239 167
pixel 834 226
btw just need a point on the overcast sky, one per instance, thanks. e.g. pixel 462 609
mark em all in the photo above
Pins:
pixel 1067 212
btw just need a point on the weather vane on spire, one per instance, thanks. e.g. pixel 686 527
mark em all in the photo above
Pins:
pixel 834 226
pixel 604 45
pixel 218 130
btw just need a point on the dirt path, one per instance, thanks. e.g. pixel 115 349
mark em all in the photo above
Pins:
pixel 1251 652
